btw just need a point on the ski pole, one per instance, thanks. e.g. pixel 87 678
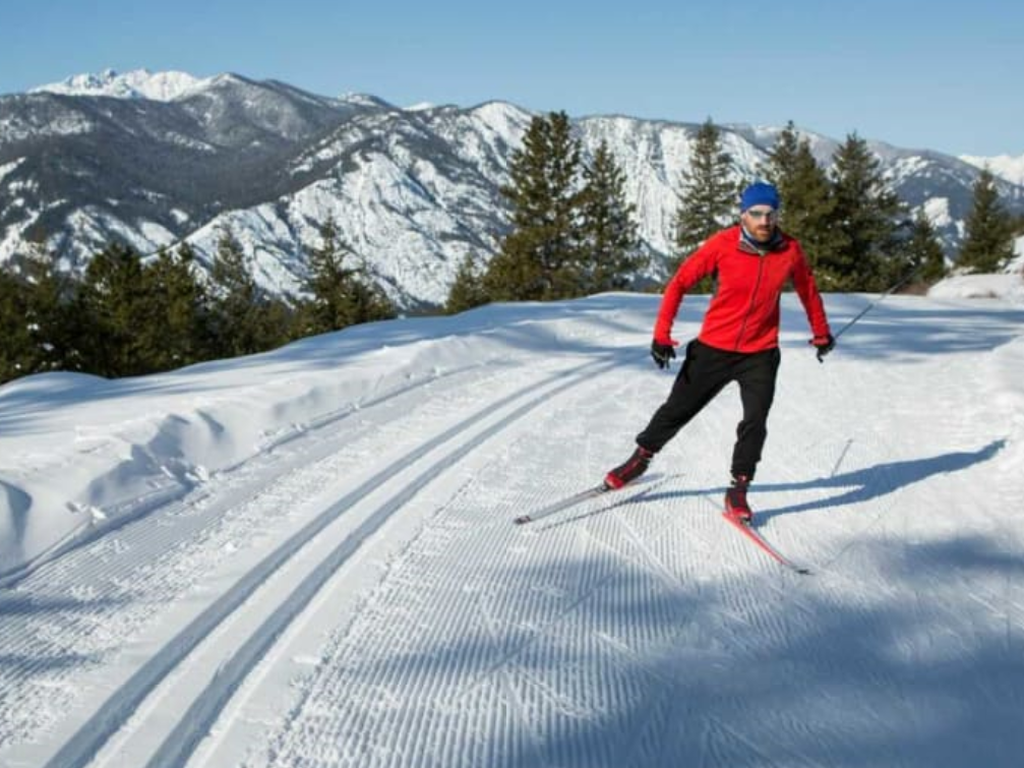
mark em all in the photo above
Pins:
pixel 872 305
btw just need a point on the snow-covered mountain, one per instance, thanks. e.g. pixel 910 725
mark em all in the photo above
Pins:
pixel 137 84
pixel 1005 167
pixel 155 158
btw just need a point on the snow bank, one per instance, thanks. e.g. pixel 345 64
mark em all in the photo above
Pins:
pixel 80 454
pixel 117 449
pixel 1006 286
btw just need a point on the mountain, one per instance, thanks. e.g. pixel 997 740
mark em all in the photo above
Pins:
pixel 154 159
pixel 137 84
pixel 1002 166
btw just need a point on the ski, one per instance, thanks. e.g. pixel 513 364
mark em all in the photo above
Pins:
pixel 766 547
pixel 568 501
pixel 643 485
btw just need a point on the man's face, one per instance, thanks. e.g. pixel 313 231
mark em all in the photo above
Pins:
pixel 760 221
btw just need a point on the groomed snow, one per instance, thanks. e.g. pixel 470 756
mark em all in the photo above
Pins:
pixel 306 557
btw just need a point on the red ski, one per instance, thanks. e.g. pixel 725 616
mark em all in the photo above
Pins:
pixel 767 548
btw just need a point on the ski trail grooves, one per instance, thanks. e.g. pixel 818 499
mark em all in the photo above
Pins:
pixel 194 723
pixel 75 613
pixel 181 488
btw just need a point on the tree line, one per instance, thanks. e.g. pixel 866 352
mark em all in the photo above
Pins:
pixel 128 316
pixel 859 235
pixel 571 233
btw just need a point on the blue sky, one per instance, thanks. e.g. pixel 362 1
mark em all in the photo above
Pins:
pixel 942 75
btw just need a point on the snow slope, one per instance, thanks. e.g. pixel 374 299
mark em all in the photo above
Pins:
pixel 306 557
pixel 1007 167
pixel 136 84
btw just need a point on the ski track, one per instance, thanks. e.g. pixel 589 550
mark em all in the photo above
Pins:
pixel 532 650
pixel 637 630
pixel 25 639
pixel 49 616
pixel 527 654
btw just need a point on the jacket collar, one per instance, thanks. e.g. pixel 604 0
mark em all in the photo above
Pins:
pixel 749 245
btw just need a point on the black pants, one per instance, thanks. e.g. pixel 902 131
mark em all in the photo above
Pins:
pixel 705 372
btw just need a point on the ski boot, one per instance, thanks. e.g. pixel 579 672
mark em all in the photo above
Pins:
pixel 635 466
pixel 736 506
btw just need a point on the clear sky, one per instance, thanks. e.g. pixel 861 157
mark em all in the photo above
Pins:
pixel 937 75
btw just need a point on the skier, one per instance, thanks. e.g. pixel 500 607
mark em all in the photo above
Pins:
pixel 738 340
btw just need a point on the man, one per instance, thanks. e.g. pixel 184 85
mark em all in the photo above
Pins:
pixel 738 340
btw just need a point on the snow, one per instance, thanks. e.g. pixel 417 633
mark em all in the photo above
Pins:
pixel 1008 286
pixel 6 168
pixel 306 557
pixel 1006 167
pixel 136 84
pixel 936 209
pixel 1016 264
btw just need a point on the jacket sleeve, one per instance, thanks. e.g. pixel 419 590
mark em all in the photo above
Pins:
pixel 807 290
pixel 697 266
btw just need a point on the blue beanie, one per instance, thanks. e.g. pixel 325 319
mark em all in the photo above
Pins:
pixel 759 193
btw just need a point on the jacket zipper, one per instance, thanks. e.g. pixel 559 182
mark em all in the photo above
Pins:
pixel 753 296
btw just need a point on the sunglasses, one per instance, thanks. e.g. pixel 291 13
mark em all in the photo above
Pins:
pixel 763 213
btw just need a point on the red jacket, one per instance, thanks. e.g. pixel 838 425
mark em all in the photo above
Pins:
pixel 744 312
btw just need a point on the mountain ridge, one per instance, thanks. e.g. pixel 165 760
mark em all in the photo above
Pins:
pixel 153 159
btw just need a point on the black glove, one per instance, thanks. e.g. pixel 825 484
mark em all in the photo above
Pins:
pixel 824 345
pixel 662 353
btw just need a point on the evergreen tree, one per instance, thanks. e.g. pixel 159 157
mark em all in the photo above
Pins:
pixel 367 303
pixel 707 201
pixel 924 251
pixel 116 310
pixel 243 319
pixel 176 333
pixel 807 200
pixel 46 298
pixel 538 259
pixel 989 229
pixel 327 281
pixel 467 291
pixel 867 214
pixel 610 248
pixel 16 357
pixel 341 295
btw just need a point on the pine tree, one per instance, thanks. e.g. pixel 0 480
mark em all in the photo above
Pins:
pixel 707 201
pixel 47 295
pixel 327 281
pixel 539 256
pixel 367 303
pixel 176 334
pixel 610 248
pixel 807 200
pixel 988 241
pixel 116 309
pixel 341 294
pixel 467 290
pixel 867 214
pixel 243 319
pixel 924 251
pixel 16 357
